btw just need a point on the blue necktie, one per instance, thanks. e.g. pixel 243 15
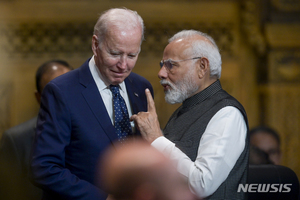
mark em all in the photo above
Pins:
pixel 122 123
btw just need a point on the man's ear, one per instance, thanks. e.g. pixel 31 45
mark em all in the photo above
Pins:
pixel 203 67
pixel 95 44
pixel 38 96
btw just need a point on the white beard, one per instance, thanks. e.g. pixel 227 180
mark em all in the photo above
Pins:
pixel 180 90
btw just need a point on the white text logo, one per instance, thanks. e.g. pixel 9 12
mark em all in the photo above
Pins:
pixel 254 187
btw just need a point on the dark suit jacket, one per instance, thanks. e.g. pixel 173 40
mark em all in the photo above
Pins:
pixel 15 148
pixel 73 131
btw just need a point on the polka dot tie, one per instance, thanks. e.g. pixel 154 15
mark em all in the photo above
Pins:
pixel 122 123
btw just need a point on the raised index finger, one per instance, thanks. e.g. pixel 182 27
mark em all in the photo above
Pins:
pixel 150 101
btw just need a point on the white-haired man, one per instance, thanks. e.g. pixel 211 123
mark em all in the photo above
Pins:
pixel 88 110
pixel 206 136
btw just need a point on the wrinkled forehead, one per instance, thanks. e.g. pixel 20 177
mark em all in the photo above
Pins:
pixel 114 32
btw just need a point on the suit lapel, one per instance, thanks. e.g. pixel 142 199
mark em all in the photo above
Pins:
pixel 134 96
pixel 93 98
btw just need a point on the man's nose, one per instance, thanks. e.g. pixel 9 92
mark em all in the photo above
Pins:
pixel 163 73
pixel 123 62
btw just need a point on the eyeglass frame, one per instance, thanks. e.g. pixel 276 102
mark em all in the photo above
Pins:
pixel 163 62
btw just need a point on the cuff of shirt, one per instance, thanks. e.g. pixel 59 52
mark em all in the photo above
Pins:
pixel 161 143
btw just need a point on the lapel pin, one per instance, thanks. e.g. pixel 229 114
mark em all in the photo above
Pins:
pixel 136 94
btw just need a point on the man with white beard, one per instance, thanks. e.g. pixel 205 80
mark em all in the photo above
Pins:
pixel 206 136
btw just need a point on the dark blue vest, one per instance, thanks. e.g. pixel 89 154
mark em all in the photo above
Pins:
pixel 188 123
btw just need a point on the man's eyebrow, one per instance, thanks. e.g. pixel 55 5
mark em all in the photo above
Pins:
pixel 136 53
pixel 113 51
pixel 170 60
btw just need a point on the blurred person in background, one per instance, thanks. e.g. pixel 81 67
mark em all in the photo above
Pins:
pixel 267 140
pixel 16 142
pixel 137 171
pixel 258 156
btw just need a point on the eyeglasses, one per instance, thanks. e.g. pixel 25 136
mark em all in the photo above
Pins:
pixel 169 63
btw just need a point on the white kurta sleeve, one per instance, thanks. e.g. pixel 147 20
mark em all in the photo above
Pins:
pixel 220 146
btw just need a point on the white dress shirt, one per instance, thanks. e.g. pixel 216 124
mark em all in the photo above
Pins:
pixel 220 146
pixel 106 93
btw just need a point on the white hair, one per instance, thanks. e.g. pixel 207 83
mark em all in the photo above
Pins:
pixel 203 48
pixel 122 18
